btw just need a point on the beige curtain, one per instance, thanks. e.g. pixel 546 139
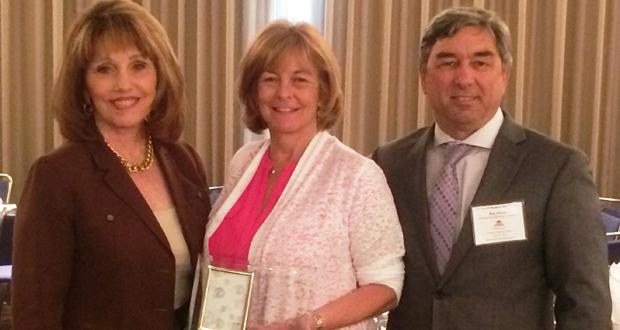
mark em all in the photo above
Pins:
pixel 208 41
pixel 565 82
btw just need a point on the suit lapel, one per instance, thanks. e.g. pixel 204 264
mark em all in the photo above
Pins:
pixel 120 183
pixel 504 162
pixel 415 195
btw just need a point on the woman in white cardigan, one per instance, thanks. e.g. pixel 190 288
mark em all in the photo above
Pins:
pixel 314 219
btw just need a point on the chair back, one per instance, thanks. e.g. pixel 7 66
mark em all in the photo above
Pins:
pixel 610 206
pixel 7 219
pixel 214 192
pixel 6 182
pixel 610 215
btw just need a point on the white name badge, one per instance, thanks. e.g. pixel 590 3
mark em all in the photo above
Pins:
pixel 498 223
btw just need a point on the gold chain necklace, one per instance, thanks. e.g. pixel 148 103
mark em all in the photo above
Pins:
pixel 146 163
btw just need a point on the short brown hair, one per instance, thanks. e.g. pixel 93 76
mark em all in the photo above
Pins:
pixel 275 40
pixel 450 21
pixel 127 22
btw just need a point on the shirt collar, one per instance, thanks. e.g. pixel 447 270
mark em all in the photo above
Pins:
pixel 483 137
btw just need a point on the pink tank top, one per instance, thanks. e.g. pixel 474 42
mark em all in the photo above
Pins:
pixel 230 243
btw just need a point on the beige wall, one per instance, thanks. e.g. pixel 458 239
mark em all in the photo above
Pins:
pixel 565 81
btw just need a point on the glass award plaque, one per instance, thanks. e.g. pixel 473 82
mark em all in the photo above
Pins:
pixel 220 297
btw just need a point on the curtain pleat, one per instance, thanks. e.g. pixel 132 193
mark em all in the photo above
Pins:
pixel 565 80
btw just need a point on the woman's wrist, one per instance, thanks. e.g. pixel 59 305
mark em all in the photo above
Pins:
pixel 310 321
pixel 319 323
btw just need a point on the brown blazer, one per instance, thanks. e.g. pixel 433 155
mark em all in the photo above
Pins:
pixel 88 251
pixel 508 285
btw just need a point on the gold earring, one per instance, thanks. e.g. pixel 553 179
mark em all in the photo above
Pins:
pixel 87 108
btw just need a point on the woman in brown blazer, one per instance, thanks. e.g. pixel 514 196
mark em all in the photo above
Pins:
pixel 110 224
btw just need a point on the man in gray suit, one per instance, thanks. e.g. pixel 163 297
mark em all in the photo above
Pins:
pixel 508 234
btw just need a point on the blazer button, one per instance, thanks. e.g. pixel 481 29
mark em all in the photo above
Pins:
pixel 109 217
pixel 440 294
pixel 199 194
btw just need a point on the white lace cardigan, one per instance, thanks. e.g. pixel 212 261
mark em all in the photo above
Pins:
pixel 334 228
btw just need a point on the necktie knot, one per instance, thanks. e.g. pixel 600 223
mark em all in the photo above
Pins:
pixel 455 151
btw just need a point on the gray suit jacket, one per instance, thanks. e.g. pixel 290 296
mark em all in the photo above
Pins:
pixel 508 285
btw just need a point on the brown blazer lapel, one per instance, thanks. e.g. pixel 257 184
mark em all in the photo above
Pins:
pixel 120 183
pixel 504 162
pixel 177 184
